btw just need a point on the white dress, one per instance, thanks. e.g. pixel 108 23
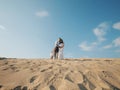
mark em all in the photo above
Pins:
pixel 60 53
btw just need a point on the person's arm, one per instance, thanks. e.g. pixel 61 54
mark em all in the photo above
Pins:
pixel 61 45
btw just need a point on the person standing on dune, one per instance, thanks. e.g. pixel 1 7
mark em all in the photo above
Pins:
pixel 61 48
pixel 57 52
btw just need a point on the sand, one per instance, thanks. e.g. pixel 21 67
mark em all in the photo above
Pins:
pixel 68 74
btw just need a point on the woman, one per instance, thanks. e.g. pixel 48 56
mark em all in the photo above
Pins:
pixel 61 47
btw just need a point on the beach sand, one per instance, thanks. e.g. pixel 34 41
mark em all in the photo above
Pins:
pixel 68 74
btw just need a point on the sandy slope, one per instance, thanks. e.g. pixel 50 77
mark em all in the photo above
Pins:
pixel 69 74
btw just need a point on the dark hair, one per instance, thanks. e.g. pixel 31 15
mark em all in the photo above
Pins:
pixel 60 40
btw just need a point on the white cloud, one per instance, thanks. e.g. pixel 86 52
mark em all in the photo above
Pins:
pixel 100 31
pixel 94 43
pixel 2 27
pixel 116 26
pixel 108 46
pixel 85 47
pixel 42 14
pixel 116 42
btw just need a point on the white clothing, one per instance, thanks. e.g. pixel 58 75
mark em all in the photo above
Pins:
pixel 60 53
pixel 56 43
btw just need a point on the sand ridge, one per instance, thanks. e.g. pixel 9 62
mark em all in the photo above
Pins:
pixel 68 74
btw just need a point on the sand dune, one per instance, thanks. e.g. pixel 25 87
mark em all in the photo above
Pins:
pixel 68 74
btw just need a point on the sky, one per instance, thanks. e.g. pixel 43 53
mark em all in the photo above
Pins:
pixel 89 28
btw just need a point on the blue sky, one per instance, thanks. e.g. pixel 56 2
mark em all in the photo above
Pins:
pixel 89 28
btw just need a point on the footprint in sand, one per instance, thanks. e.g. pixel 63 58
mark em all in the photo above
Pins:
pixel 33 79
pixel 43 70
pixel 25 88
pixel 28 62
pixel 5 63
pixel 82 87
pixel 11 65
pixel 20 88
pixel 1 86
pixel 46 69
pixel 17 88
pixel 52 87
pixel 68 78
pixel 5 69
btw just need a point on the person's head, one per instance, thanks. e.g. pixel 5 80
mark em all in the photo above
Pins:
pixel 60 40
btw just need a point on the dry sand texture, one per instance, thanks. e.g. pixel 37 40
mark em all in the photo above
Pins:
pixel 69 74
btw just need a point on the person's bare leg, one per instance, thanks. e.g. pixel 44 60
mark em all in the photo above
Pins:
pixel 57 55
pixel 51 57
pixel 54 55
